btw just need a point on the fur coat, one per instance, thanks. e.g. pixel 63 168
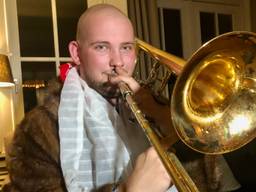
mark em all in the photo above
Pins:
pixel 33 157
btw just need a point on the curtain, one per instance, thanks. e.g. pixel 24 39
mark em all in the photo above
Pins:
pixel 253 15
pixel 144 16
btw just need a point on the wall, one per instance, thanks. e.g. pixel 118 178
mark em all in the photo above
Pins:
pixel 6 114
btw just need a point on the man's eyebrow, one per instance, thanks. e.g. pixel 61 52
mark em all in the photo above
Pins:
pixel 99 42
pixel 128 43
pixel 108 43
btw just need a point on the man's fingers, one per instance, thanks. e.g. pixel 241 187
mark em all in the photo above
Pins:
pixel 132 83
pixel 121 71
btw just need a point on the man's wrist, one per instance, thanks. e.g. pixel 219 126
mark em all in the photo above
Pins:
pixel 119 187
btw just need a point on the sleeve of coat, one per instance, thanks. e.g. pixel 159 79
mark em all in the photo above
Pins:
pixel 33 156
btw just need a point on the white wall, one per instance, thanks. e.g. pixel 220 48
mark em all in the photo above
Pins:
pixel 6 114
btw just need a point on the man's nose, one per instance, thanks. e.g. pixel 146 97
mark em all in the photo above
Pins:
pixel 116 59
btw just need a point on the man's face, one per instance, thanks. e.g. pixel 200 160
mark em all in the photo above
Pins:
pixel 108 44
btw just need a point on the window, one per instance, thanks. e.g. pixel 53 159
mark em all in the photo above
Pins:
pixel 45 29
pixel 172 35
pixel 191 23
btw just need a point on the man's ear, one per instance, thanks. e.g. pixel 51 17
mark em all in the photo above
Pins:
pixel 73 51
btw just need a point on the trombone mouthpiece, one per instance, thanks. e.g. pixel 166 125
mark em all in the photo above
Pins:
pixel 124 89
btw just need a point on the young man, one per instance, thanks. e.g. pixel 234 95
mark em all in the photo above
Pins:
pixel 79 142
pixel 105 55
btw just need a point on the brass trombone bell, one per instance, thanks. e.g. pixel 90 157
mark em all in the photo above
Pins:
pixel 213 103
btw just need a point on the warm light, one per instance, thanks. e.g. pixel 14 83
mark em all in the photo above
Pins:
pixel 33 84
pixel 6 84
pixel 239 124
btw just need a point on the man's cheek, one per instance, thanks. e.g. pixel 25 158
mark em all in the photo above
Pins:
pixel 103 78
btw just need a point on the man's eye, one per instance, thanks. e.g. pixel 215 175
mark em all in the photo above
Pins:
pixel 127 48
pixel 101 47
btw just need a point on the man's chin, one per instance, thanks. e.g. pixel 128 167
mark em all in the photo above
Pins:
pixel 109 92
pixel 106 89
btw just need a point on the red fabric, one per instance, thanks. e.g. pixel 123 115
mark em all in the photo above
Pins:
pixel 64 69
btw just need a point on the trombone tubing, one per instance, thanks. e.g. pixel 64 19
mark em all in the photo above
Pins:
pixel 172 62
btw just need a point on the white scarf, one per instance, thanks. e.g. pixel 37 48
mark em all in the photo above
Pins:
pixel 91 152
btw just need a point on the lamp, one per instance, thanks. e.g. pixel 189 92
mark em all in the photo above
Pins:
pixel 6 101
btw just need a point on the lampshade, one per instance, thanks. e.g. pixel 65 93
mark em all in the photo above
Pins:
pixel 6 78
pixel 6 101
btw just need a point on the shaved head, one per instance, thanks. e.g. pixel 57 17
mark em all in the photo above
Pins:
pixel 102 12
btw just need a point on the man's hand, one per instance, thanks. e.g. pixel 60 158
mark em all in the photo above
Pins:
pixel 123 76
pixel 149 174
pixel 159 113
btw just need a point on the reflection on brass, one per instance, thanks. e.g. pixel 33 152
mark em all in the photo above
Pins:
pixel 213 103
pixel 214 99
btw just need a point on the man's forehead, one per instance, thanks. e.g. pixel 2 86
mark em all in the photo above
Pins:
pixel 99 14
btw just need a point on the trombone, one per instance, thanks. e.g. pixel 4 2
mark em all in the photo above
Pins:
pixel 213 102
